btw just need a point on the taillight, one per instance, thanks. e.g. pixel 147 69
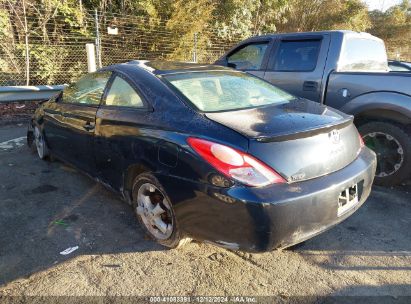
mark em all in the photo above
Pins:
pixel 361 141
pixel 235 164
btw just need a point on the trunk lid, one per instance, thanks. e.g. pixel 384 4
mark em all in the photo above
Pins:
pixel 300 139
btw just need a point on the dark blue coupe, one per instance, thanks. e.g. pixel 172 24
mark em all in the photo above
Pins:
pixel 209 153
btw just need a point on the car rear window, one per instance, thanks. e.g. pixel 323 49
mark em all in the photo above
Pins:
pixel 214 91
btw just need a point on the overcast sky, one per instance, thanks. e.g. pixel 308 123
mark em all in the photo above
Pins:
pixel 381 4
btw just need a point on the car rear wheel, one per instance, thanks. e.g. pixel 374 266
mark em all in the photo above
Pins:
pixel 40 144
pixel 155 212
pixel 393 148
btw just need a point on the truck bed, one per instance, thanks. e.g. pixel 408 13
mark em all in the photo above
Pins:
pixel 360 83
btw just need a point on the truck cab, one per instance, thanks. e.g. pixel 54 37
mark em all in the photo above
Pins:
pixel 346 70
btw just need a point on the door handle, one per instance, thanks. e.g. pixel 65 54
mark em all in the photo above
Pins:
pixel 310 86
pixel 89 126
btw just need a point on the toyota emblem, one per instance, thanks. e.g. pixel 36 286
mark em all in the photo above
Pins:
pixel 334 136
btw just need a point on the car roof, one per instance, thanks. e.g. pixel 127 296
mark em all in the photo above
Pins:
pixel 159 67
pixel 297 34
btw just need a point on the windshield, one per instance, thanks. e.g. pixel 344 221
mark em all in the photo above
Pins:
pixel 224 90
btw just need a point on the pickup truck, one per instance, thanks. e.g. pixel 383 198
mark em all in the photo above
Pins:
pixel 345 70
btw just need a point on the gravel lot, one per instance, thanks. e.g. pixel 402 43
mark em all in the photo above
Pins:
pixel 46 207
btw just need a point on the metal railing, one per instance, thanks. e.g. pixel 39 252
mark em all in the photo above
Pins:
pixel 28 93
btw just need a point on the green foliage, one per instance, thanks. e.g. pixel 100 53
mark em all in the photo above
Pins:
pixel 315 15
pixel 394 27
pixel 48 60
pixel 57 30
pixel 4 24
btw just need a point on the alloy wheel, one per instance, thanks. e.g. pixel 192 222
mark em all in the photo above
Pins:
pixel 155 211
pixel 39 141
pixel 390 153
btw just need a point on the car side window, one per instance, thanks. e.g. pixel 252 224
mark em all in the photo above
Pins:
pixel 88 90
pixel 249 57
pixel 297 56
pixel 122 94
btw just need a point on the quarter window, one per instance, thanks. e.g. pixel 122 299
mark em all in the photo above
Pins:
pixel 297 55
pixel 88 90
pixel 122 94
pixel 249 57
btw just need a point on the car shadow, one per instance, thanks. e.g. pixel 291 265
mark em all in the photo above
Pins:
pixel 380 228
pixel 48 207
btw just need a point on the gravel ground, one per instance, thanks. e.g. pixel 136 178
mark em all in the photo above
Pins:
pixel 46 207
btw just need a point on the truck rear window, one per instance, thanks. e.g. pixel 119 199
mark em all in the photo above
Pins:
pixel 362 54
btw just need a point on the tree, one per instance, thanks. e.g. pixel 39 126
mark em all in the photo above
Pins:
pixel 394 27
pixel 315 15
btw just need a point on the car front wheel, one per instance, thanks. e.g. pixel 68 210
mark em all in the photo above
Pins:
pixel 393 148
pixel 155 212
pixel 40 143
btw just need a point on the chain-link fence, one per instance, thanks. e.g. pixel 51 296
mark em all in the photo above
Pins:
pixel 49 48
pixel 56 46
pixel 399 52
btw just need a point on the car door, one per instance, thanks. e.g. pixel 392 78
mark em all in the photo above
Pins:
pixel 120 122
pixel 296 64
pixel 54 126
pixel 249 57
pixel 78 107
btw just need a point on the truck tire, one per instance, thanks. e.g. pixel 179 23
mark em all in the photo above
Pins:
pixel 154 211
pixel 392 145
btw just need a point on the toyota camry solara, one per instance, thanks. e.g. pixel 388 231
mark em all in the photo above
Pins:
pixel 208 153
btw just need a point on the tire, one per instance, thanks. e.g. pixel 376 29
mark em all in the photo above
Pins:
pixel 394 163
pixel 147 188
pixel 40 144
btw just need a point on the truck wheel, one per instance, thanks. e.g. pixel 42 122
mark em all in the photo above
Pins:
pixel 393 148
pixel 155 212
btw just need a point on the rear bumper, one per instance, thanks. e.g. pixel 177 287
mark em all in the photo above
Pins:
pixel 262 219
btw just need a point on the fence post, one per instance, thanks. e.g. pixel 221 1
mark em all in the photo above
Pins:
pixel 195 48
pixel 98 46
pixel 91 57
pixel 26 42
